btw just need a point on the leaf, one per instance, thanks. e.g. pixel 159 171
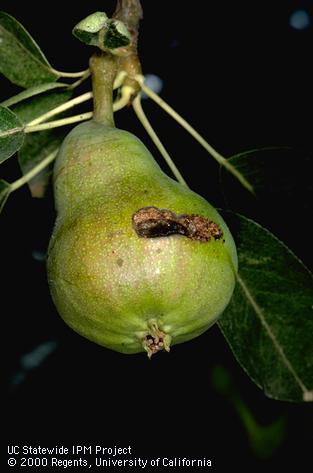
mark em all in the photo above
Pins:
pixel 37 146
pixel 31 92
pixel 4 193
pixel 11 133
pixel 275 173
pixel 87 30
pixel 269 321
pixel 21 59
pixel 98 30
pixel 282 180
pixel 116 36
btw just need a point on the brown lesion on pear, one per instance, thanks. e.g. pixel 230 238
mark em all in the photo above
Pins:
pixel 152 222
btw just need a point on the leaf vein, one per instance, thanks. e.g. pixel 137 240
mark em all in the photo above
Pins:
pixel 271 335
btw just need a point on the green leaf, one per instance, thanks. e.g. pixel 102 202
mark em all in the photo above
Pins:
pixel 11 133
pixel 37 146
pixel 116 36
pixel 275 173
pixel 282 180
pixel 21 59
pixel 4 193
pixel 31 92
pixel 87 30
pixel 269 321
pixel 98 30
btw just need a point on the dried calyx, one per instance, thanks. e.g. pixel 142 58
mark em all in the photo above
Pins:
pixel 155 340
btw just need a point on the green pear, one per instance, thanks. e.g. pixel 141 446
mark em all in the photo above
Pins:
pixel 137 262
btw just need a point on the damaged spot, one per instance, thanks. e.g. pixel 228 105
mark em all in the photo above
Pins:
pixel 151 222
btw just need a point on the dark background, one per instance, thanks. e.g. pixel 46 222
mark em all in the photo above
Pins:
pixel 242 76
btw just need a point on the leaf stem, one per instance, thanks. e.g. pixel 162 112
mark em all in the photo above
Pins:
pixel 146 124
pixel 70 74
pixel 30 128
pixel 33 172
pixel 12 131
pixel 57 123
pixel 80 81
pixel 32 92
pixel 61 108
pixel 179 119
pixel 125 98
pixel 119 79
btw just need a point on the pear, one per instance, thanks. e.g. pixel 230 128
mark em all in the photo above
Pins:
pixel 137 262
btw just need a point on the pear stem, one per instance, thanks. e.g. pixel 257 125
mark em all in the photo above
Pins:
pixel 103 68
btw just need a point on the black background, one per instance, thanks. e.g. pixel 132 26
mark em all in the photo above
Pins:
pixel 242 76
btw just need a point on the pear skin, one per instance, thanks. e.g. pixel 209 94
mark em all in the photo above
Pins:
pixel 137 262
